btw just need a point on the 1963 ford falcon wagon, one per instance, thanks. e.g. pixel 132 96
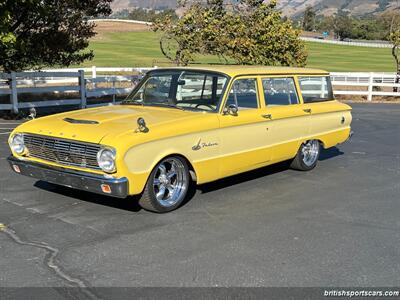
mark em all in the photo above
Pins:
pixel 185 125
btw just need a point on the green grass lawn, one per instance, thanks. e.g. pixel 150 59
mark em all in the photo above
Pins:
pixel 141 49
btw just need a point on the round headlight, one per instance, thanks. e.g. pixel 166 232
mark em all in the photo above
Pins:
pixel 17 144
pixel 106 160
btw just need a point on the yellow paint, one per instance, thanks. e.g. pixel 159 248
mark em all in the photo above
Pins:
pixel 2 227
pixel 238 143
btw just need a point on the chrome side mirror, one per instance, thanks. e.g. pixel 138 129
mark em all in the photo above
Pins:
pixel 32 113
pixel 231 109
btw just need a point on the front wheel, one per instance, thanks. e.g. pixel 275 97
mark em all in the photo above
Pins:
pixel 307 157
pixel 167 185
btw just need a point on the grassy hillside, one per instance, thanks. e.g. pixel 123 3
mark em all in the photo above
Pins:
pixel 141 48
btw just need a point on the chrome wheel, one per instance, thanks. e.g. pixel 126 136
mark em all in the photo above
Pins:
pixel 170 182
pixel 310 152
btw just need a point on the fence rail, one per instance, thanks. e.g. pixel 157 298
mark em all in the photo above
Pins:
pixel 86 87
pixel 349 43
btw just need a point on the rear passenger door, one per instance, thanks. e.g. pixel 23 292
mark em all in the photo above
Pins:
pixel 288 123
pixel 243 136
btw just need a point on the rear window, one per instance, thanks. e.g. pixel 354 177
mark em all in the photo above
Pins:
pixel 316 89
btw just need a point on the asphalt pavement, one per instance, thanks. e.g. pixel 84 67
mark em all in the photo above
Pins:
pixel 337 225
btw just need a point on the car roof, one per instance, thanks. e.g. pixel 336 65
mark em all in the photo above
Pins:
pixel 236 70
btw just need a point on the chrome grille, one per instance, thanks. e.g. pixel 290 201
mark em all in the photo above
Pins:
pixel 62 151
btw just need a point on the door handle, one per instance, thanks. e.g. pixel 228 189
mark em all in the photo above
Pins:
pixel 307 110
pixel 267 116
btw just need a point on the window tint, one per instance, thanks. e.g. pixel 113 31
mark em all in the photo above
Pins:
pixel 316 89
pixel 279 91
pixel 244 94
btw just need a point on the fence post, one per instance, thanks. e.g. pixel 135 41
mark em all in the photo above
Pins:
pixel 82 89
pixel 370 86
pixel 114 91
pixel 94 75
pixel 14 93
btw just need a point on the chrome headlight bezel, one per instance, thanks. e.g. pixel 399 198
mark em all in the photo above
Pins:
pixel 17 144
pixel 106 159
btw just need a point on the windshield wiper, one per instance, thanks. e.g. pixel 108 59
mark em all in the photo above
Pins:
pixel 132 102
pixel 135 102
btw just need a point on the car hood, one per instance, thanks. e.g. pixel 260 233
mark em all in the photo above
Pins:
pixel 92 125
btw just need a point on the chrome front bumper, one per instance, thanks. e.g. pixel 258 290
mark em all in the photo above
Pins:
pixel 117 187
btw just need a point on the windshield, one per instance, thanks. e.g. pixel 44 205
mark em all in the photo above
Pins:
pixel 183 89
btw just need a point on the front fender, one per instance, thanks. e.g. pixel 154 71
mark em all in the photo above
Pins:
pixel 140 160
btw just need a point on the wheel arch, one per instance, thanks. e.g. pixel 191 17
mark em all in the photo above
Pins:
pixel 192 171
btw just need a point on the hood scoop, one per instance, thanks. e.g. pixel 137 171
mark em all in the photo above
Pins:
pixel 75 121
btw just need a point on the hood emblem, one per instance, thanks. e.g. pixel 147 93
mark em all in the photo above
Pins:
pixel 75 121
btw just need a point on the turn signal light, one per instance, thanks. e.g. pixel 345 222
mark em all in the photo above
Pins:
pixel 106 188
pixel 16 169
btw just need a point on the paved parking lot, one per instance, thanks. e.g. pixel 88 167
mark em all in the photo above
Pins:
pixel 335 226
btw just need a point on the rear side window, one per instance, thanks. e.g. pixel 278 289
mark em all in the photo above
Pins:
pixel 316 89
pixel 244 94
pixel 279 91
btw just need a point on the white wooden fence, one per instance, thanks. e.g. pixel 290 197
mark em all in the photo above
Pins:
pixel 366 84
pixel 370 44
pixel 76 85
pixel 81 86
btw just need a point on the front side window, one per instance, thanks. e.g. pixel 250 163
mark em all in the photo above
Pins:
pixel 279 91
pixel 244 94
pixel 193 90
pixel 316 88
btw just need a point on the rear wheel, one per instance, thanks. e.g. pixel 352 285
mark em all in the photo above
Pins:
pixel 307 157
pixel 167 185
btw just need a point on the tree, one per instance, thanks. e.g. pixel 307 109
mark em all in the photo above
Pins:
pixel 309 19
pixel 149 15
pixel 38 33
pixel 388 21
pixel 325 23
pixel 249 32
pixel 394 37
pixel 342 25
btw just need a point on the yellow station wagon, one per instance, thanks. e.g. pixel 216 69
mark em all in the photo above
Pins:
pixel 185 125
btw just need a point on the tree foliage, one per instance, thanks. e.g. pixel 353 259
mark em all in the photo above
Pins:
pixel 371 27
pixel 342 25
pixel 37 33
pixel 248 32
pixel 394 37
pixel 309 19
pixel 150 15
